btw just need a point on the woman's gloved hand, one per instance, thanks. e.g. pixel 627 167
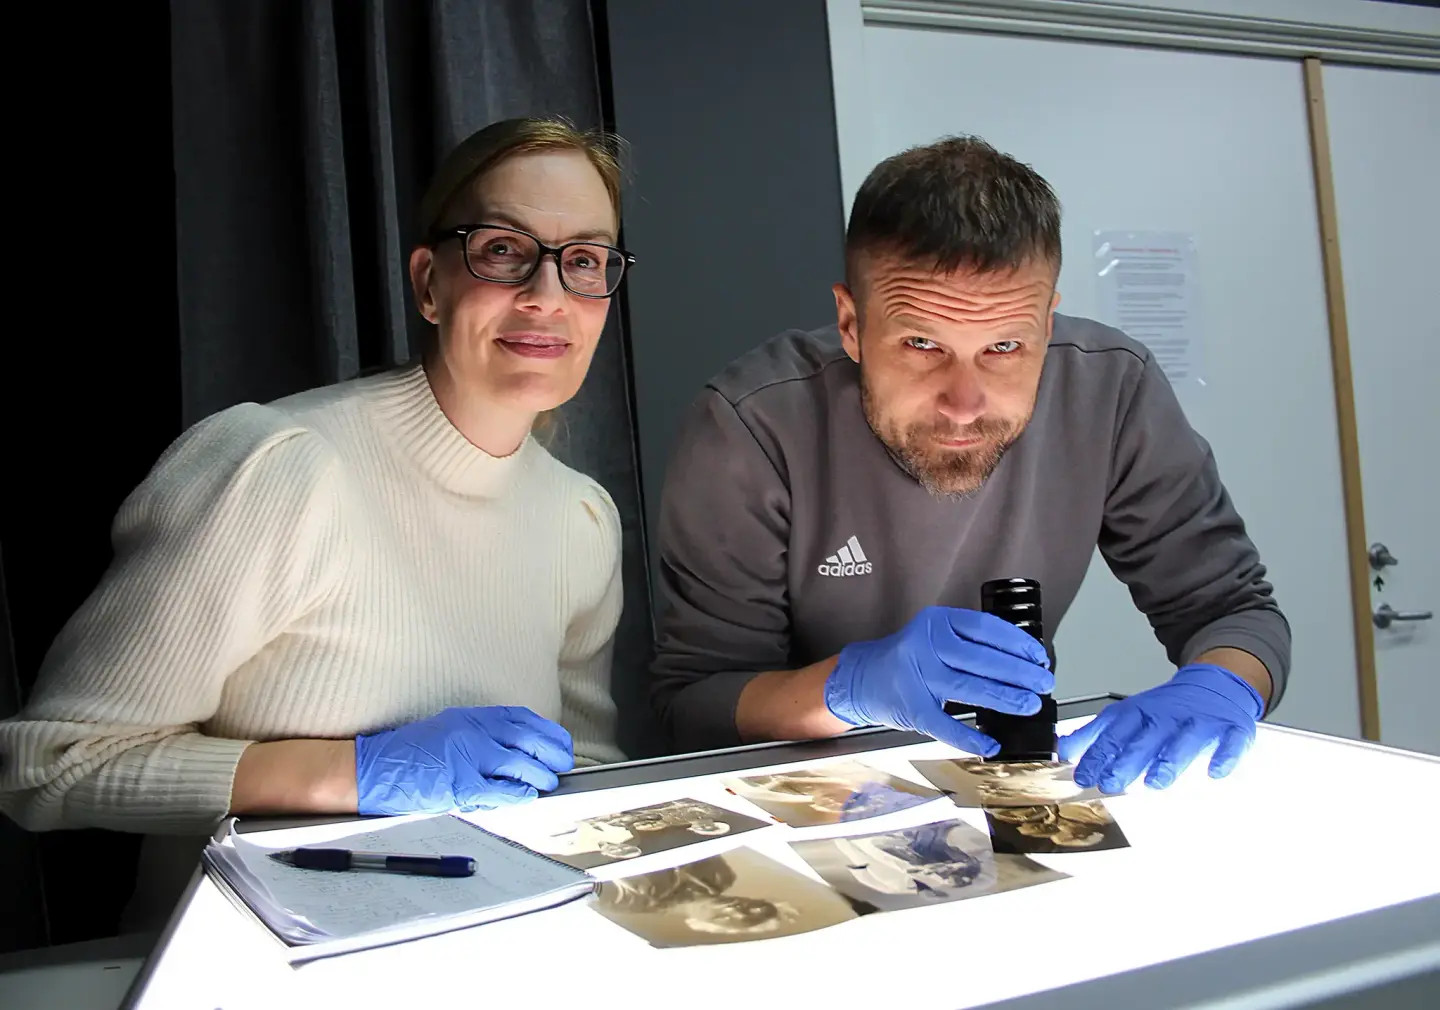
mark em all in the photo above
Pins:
pixel 468 758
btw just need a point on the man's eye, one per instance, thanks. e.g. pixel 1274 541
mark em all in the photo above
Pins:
pixel 921 344
pixel 1006 347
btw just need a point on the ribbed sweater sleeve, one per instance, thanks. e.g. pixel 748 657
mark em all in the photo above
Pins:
pixel 233 535
pixel 593 548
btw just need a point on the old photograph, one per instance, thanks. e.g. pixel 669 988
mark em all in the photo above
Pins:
pixel 926 865
pixel 971 782
pixel 1055 827
pixel 740 895
pixel 1014 871
pixel 598 841
pixel 893 870
pixel 842 791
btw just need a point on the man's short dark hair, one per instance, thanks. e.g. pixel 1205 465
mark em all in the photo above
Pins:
pixel 956 203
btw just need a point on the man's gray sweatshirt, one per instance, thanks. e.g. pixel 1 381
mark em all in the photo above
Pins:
pixel 787 530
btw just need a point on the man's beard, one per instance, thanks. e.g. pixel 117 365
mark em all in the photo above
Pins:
pixel 944 472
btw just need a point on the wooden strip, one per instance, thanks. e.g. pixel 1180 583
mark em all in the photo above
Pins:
pixel 1344 403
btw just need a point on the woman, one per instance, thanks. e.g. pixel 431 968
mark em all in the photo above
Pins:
pixel 381 596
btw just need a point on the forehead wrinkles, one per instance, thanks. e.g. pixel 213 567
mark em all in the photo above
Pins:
pixel 576 215
pixel 551 187
pixel 922 296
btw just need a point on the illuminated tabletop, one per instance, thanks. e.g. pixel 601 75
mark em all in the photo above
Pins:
pixel 1313 869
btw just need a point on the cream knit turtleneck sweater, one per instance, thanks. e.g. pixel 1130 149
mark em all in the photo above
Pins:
pixel 322 566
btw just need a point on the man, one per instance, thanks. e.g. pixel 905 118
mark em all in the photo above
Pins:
pixel 837 498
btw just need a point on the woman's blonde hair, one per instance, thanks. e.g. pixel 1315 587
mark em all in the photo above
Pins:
pixel 486 148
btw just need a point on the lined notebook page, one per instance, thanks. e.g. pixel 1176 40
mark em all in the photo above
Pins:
pixel 347 903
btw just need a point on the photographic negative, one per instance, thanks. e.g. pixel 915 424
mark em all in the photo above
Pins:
pixel 1055 827
pixel 740 895
pixel 926 865
pixel 599 841
pixel 830 794
pixel 971 782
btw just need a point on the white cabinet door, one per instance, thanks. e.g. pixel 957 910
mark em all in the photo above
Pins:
pixel 1217 146
pixel 1385 149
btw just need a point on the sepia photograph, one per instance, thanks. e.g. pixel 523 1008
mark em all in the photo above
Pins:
pixel 1014 871
pixel 740 895
pixel 1056 827
pixel 971 782
pixel 831 794
pixel 894 870
pixel 599 841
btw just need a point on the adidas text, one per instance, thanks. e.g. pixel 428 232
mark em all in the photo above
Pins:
pixel 848 560
pixel 862 568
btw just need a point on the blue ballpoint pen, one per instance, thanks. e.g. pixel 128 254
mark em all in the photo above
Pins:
pixel 345 859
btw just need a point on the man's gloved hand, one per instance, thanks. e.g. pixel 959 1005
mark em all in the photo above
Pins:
pixel 462 757
pixel 1165 728
pixel 943 654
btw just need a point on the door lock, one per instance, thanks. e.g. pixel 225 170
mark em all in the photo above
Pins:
pixel 1380 557
pixel 1386 615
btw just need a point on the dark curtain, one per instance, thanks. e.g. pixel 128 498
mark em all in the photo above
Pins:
pixel 263 161
pixel 304 135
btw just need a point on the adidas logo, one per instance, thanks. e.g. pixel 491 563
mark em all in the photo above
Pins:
pixel 848 560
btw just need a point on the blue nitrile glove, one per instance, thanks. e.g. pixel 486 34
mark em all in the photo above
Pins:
pixel 463 757
pixel 943 654
pixel 1165 728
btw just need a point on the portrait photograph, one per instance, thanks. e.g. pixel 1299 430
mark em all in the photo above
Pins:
pixel 830 794
pixel 971 782
pixel 730 898
pixel 1054 828
pixel 629 834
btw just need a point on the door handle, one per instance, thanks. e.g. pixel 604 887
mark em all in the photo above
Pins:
pixel 1380 557
pixel 1386 615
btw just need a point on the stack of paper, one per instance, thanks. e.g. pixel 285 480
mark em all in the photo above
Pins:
pixel 318 913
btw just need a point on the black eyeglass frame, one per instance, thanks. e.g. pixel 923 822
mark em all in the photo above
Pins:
pixel 463 232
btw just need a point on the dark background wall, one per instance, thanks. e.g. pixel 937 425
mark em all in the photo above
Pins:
pixel 90 380
pixel 23 920
pixel 733 206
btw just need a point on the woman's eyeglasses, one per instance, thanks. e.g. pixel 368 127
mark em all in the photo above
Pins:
pixel 509 256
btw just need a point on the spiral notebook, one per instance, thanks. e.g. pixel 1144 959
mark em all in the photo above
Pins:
pixel 318 913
